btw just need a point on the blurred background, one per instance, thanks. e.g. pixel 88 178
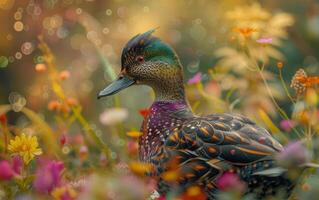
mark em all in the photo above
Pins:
pixel 87 36
pixel 85 33
pixel 221 44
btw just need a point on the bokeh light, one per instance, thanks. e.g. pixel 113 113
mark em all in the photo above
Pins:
pixel 6 4
pixel 18 26
pixel 27 48
pixel 17 101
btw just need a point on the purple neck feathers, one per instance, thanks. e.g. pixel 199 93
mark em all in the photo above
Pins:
pixel 164 117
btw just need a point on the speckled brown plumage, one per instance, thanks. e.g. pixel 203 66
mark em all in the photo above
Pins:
pixel 206 147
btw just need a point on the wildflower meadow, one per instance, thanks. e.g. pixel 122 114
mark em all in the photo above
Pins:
pixel 59 141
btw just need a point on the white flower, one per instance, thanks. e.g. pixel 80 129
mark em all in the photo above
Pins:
pixel 154 195
pixel 113 116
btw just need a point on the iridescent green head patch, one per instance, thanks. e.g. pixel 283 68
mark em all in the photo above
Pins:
pixel 151 48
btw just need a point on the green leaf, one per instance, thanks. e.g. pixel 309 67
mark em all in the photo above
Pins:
pixel 3 62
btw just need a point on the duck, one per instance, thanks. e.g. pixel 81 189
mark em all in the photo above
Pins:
pixel 201 148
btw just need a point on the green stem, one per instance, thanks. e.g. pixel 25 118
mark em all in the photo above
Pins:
pixel 57 88
pixel 285 87
pixel 92 134
pixel 106 65
pixel 117 101
pixel 5 135
pixel 282 113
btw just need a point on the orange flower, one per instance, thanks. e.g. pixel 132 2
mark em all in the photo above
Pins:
pixel 280 65
pixel 54 105
pixel 65 74
pixel 311 97
pixel 194 193
pixel 300 81
pixel 58 106
pixel 71 102
pixel 64 108
pixel 245 31
pixel 40 67
pixel 303 117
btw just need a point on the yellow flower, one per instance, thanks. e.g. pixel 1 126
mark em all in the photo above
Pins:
pixel 134 134
pixel 63 193
pixel 141 168
pixel 193 191
pixel 170 175
pixel 25 146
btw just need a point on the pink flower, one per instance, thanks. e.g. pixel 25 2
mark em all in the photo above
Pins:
pixel 17 164
pixel 265 40
pixel 6 172
pixel 195 79
pixel 83 152
pixel 287 125
pixel 103 160
pixel 293 154
pixel 132 147
pixel 48 176
pixel 230 181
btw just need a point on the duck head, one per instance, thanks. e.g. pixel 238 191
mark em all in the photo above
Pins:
pixel 146 60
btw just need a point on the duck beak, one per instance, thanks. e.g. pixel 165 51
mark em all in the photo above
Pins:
pixel 119 84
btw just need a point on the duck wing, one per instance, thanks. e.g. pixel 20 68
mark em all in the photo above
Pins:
pixel 205 147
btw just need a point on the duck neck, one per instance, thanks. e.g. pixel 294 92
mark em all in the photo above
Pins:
pixel 171 88
pixel 168 112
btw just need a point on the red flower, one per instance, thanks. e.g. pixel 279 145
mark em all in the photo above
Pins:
pixel 144 112
pixel 162 197
pixel 3 119
pixel 63 139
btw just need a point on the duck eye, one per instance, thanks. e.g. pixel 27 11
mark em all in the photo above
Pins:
pixel 139 59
